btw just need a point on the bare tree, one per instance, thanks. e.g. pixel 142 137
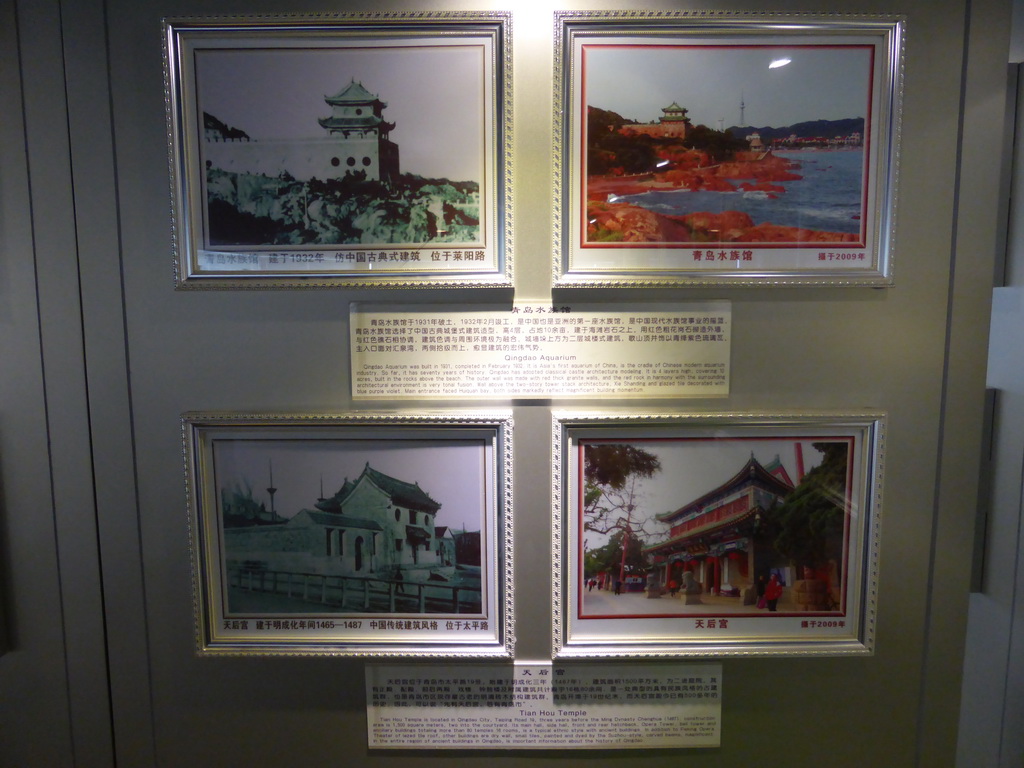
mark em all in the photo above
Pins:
pixel 612 472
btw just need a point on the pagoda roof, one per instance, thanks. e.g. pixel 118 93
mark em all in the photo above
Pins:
pixel 674 114
pixel 702 530
pixel 752 471
pixel 363 121
pixel 400 492
pixel 776 468
pixel 354 93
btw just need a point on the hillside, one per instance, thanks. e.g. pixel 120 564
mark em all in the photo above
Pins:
pixel 211 123
pixel 604 119
pixel 810 129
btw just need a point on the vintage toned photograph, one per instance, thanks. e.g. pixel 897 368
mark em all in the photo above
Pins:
pixel 348 528
pixel 357 145
pixel 729 533
pixel 725 149
pixel 339 148
pixel 361 533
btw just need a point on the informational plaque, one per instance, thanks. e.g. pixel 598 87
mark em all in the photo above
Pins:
pixel 540 351
pixel 541 706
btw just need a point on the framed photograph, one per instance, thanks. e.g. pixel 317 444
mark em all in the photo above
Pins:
pixel 705 148
pixel 358 534
pixel 690 535
pixel 353 151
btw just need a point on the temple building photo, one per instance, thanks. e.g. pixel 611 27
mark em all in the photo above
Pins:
pixel 373 546
pixel 718 550
pixel 408 384
pixel 355 137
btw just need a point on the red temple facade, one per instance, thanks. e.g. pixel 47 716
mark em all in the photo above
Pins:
pixel 716 536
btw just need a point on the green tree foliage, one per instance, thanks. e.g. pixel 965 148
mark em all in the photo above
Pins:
pixel 810 521
pixel 612 464
pixel 608 151
pixel 227 132
pixel 228 225
pixel 252 209
pixel 608 558
pixel 241 509
pixel 719 145
pixel 604 121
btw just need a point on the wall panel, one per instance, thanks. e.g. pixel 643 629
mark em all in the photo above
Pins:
pixel 125 354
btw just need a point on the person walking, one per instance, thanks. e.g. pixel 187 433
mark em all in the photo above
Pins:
pixel 772 592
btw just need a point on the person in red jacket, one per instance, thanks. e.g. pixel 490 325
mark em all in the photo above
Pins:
pixel 772 592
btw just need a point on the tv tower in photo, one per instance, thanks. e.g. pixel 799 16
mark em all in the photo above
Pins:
pixel 271 490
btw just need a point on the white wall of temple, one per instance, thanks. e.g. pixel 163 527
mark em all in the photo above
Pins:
pixel 303 159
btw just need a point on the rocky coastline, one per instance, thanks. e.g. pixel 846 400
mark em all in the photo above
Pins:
pixel 251 209
pixel 612 221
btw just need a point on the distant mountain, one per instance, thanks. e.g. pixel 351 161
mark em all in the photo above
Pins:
pixel 810 129
pixel 606 118
pixel 211 123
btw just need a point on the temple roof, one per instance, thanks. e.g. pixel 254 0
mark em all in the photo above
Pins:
pixel 363 121
pixel 753 470
pixel 775 467
pixel 674 114
pixel 354 93
pixel 404 494
pixel 716 525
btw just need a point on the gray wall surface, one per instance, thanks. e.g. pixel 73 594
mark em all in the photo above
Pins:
pixel 100 356
pixel 992 703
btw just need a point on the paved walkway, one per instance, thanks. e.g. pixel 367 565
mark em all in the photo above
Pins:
pixel 604 603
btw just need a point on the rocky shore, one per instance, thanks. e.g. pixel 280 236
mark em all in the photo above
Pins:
pixel 611 221
pixel 250 209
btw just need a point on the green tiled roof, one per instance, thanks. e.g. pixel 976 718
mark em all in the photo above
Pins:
pixel 404 494
pixel 353 93
pixel 365 121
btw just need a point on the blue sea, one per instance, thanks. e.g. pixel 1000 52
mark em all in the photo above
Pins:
pixel 828 197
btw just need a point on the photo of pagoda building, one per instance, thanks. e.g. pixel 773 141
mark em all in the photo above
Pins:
pixel 357 142
pixel 375 524
pixel 357 122
pixel 673 123
pixel 719 537
pixel 381 543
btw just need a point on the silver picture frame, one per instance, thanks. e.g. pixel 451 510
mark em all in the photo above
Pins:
pixel 364 150
pixel 357 534
pixel 725 149
pixel 679 535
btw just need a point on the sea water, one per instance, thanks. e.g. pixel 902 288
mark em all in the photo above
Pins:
pixel 829 197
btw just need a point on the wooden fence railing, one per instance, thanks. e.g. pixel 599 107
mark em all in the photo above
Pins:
pixel 356 592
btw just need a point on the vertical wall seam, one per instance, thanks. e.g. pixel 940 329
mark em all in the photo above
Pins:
pixel 45 395
pixel 119 236
pixel 926 644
